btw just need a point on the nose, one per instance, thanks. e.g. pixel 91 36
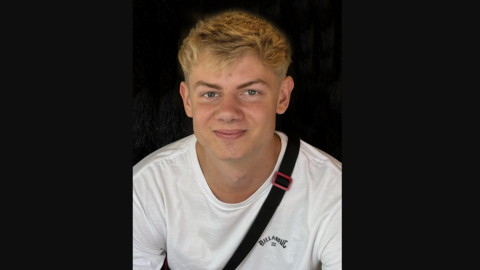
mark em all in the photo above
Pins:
pixel 229 109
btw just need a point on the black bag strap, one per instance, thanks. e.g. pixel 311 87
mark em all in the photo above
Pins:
pixel 281 183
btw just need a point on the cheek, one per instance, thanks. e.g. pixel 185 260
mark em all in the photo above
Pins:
pixel 203 113
pixel 261 114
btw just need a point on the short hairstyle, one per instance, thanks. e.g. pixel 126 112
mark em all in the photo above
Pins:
pixel 228 36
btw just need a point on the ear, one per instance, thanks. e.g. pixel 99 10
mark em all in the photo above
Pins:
pixel 186 99
pixel 286 88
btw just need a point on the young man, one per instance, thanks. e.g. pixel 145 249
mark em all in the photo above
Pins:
pixel 196 198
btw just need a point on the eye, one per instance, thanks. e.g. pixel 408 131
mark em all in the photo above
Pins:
pixel 210 94
pixel 252 92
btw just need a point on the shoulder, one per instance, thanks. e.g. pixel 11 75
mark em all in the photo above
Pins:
pixel 322 171
pixel 316 172
pixel 172 153
pixel 313 156
pixel 320 157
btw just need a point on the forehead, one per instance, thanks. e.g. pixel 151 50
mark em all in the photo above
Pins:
pixel 248 67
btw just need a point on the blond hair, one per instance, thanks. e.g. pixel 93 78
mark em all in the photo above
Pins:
pixel 228 36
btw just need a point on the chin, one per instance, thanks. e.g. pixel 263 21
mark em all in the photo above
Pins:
pixel 229 155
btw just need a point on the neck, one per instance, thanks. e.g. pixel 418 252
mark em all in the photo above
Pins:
pixel 234 181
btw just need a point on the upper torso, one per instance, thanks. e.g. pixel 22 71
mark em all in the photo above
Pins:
pixel 175 211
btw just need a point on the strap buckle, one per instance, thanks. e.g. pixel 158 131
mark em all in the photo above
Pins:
pixel 283 176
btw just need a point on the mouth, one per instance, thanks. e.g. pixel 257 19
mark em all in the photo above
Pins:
pixel 229 134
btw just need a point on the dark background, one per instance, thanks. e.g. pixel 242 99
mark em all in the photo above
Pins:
pixel 314 31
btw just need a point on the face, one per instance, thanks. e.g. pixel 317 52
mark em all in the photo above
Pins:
pixel 234 109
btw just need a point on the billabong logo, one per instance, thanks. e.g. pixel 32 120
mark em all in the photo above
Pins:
pixel 280 241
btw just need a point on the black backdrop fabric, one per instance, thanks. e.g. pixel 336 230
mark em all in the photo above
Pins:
pixel 314 31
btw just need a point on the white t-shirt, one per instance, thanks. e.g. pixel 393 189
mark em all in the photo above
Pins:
pixel 175 211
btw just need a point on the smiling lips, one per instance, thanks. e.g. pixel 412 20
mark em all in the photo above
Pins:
pixel 230 134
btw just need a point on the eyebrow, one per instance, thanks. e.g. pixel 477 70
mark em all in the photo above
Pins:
pixel 202 83
pixel 259 81
pixel 218 87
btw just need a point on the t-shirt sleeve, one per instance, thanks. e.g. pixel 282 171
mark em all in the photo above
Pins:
pixel 330 245
pixel 144 260
pixel 148 244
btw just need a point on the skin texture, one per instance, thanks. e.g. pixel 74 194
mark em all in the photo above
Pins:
pixel 233 112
